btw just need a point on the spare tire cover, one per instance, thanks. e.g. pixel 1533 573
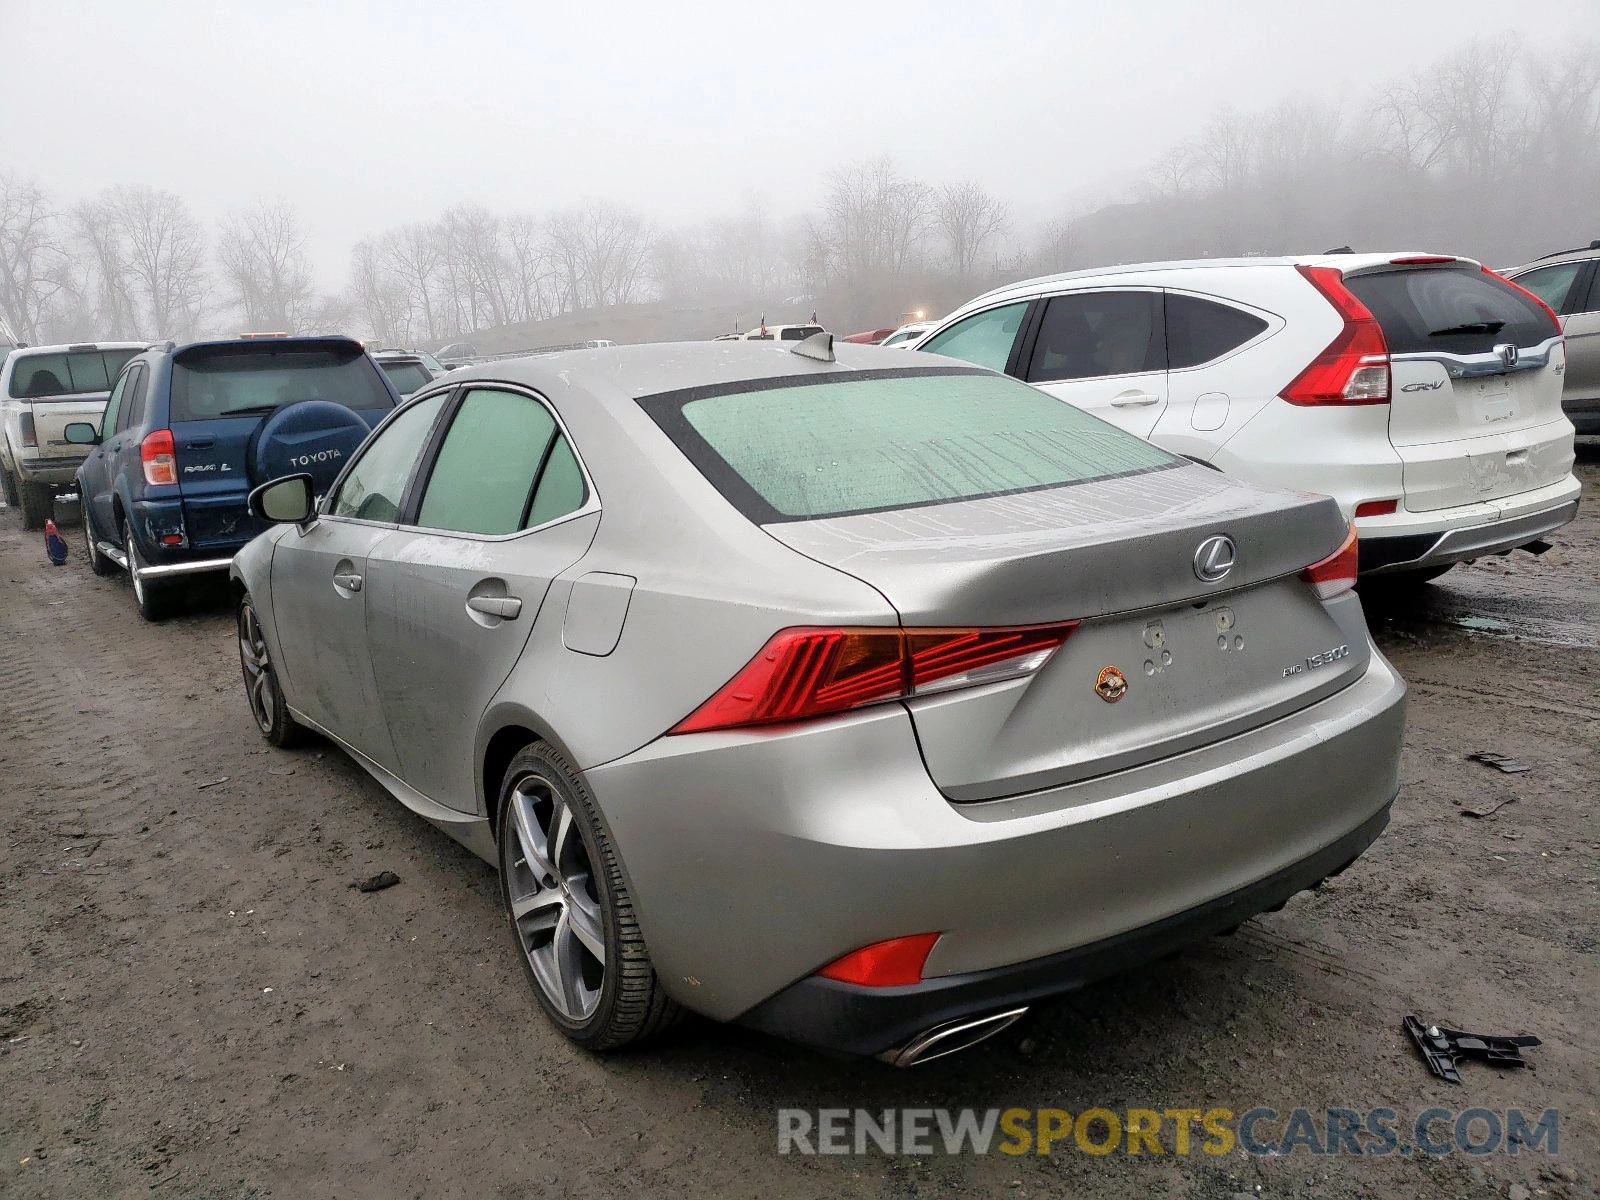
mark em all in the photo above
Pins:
pixel 313 437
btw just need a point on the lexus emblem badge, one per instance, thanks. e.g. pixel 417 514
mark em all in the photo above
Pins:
pixel 1214 558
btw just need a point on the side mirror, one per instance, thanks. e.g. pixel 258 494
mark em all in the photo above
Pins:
pixel 286 501
pixel 81 433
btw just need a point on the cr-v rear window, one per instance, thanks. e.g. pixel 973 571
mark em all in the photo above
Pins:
pixel 225 382
pixel 804 448
pixel 1453 309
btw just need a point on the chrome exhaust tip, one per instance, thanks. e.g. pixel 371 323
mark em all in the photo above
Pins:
pixel 950 1037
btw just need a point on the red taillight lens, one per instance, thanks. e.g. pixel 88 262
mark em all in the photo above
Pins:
pixel 1517 287
pixel 159 458
pixel 805 672
pixel 1336 574
pixel 1354 369
pixel 29 438
pixel 894 963
pixel 1377 508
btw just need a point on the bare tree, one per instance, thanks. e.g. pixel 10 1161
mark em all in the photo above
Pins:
pixel 164 259
pixel 1224 151
pixel 870 233
pixel 415 256
pixel 1169 176
pixel 33 261
pixel 378 296
pixel 601 251
pixel 108 297
pixel 528 268
pixel 1057 248
pixel 263 255
pixel 970 219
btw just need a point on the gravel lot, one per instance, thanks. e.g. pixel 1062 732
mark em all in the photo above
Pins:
pixel 194 1002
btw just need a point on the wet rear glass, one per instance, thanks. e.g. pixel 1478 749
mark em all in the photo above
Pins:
pixel 73 372
pixel 890 440
pixel 1418 308
pixel 212 385
pixel 407 377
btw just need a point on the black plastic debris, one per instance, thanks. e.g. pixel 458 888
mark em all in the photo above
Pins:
pixel 383 879
pixel 1500 762
pixel 1488 807
pixel 1443 1048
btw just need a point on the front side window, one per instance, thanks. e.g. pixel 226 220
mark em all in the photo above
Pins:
pixel 503 466
pixel 376 484
pixel 889 440
pixel 984 338
pixel 1551 284
pixel 1200 331
pixel 1088 335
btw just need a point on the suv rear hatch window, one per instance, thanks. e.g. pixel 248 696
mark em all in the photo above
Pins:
pixel 211 383
pixel 406 376
pixel 70 373
pixel 855 442
pixel 1472 423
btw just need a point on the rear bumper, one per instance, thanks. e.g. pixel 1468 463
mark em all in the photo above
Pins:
pixel 57 472
pixel 1380 555
pixel 154 520
pixel 755 858
pixel 862 1020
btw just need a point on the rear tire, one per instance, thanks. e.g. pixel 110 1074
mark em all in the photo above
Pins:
pixel 98 563
pixel 38 503
pixel 262 688
pixel 8 485
pixel 154 599
pixel 562 885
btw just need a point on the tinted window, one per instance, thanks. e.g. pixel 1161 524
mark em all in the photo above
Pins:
pixel 799 333
pixel 407 377
pixel 482 480
pixel 253 382
pixel 892 440
pixel 561 488
pixel 1201 330
pixel 1091 334
pixel 132 414
pixel 1592 304
pixel 40 376
pixel 1551 284
pixel 377 482
pixel 984 338
pixel 1454 310
pixel 108 422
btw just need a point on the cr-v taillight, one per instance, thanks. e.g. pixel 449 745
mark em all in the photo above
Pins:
pixel 159 458
pixel 811 672
pixel 1354 369
pixel 1336 574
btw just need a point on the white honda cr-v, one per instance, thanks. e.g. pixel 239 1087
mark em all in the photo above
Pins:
pixel 1422 391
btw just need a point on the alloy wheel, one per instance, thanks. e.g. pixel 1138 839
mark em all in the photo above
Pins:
pixel 132 553
pixel 555 906
pixel 259 686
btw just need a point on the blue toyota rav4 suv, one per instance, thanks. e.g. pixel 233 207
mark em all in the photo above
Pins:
pixel 189 430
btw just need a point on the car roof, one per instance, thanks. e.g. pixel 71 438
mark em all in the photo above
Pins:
pixel 1578 254
pixel 28 351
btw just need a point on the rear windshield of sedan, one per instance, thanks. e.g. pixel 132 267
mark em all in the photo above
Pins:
pixel 70 373
pixel 1451 309
pixel 858 442
pixel 253 382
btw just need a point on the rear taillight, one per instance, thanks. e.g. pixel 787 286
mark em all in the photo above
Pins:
pixel 159 459
pixel 808 672
pixel 29 438
pixel 1354 369
pixel 1517 287
pixel 894 963
pixel 1336 574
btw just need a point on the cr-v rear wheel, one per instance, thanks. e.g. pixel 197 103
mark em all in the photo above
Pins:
pixel 570 912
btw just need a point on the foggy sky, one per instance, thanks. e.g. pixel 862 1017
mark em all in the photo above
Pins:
pixel 368 115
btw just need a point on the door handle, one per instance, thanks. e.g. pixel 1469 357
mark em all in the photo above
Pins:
pixel 1134 400
pixel 349 581
pixel 505 607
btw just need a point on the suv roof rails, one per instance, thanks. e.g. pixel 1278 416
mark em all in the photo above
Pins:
pixel 1594 245
pixel 1340 250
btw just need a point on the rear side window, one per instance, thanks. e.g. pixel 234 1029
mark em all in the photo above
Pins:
pixel 984 338
pixel 1088 335
pixel 867 442
pixel 132 414
pixel 1455 310
pixel 72 372
pixel 227 382
pixel 1199 331
pixel 1552 284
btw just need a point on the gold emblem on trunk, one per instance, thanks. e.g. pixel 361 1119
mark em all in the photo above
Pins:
pixel 1112 685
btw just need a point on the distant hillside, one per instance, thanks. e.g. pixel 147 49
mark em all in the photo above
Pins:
pixel 629 324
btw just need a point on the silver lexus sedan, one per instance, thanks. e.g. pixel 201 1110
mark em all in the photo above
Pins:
pixel 861 702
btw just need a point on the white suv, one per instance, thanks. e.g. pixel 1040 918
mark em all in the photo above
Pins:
pixel 1421 391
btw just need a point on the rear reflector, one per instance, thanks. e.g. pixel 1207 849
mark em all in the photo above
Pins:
pixel 809 672
pixel 1336 574
pixel 1354 369
pixel 29 437
pixel 1517 287
pixel 1377 508
pixel 894 963
pixel 159 458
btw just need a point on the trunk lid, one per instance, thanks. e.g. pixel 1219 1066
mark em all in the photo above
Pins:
pixel 1476 378
pixel 1201 660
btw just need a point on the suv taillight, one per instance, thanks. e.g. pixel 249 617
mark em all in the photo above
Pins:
pixel 1354 369
pixel 809 672
pixel 159 458
pixel 30 439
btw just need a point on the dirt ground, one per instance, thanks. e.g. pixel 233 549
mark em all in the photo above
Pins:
pixel 194 1001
